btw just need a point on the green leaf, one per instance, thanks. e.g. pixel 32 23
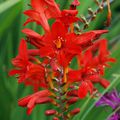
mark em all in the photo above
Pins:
pixel 8 12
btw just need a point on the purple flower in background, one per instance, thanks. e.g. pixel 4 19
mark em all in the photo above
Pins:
pixel 111 99
pixel 115 116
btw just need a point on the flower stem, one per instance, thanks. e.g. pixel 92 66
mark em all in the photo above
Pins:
pixel 60 96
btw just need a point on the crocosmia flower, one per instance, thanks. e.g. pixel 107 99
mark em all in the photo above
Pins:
pixel 46 65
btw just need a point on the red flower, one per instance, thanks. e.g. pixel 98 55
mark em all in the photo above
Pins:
pixel 86 39
pixel 68 17
pixel 29 73
pixel 92 63
pixel 99 56
pixel 59 44
pixel 42 11
pixel 36 98
pixel 83 78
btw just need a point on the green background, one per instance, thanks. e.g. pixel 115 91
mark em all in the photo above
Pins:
pixel 11 20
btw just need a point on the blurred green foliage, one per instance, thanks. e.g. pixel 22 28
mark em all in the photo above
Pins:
pixel 11 20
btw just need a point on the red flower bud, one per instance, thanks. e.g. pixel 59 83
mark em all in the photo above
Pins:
pixel 55 118
pixel 72 100
pixel 50 112
pixel 104 83
pixel 73 93
pixel 75 111
pixel 44 100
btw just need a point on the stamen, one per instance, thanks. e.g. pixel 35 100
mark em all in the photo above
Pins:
pixel 65 74
pixel 58 42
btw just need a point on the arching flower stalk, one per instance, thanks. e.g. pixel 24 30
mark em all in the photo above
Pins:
pixel 46 67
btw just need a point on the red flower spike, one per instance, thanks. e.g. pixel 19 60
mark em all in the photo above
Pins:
pixel 50 112
pixel 56 49
pixel 31 100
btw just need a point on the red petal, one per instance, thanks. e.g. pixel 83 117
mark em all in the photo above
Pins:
pixel 64 58
pixel 43 100
pixel 76 3
pixel 61 32
pixel 89 36
pixel 84 88
pixel 74 76
pixel 23 50
pixel 46 51
pixel 39 18
pixel 24 101
pixel 49 7
pixel 13 72
pixel 82 91
pixel 31 33
pixel 28 21
pixel 104 83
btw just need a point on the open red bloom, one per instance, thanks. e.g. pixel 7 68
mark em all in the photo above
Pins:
pixel 36 98
pixel 59 44
pixel 84 77
pixel 29 73
pixel 99 56
pixel 42 11
pixel 92 63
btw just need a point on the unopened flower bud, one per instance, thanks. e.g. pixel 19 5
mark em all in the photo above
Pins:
pixel 50 112
pixel 44 100
pixel 55 118
pixel 75 111
pixel 73 93
pixel 72 100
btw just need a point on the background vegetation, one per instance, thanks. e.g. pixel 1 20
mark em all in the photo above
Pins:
pixel 11 20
